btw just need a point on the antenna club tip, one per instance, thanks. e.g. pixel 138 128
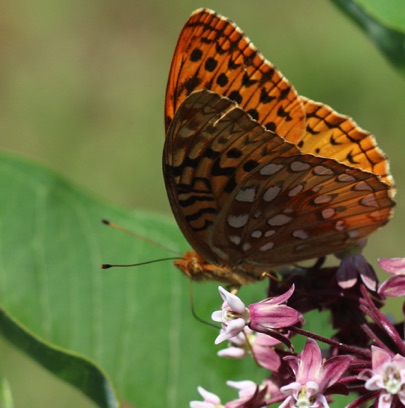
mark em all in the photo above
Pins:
pixel 106 222
pixel 105 266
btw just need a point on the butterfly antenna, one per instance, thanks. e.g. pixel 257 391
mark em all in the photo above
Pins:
pixel 118 227
pixel 193 312
pixel 107 266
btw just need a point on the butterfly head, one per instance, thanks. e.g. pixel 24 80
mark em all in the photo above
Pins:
pixel 197 269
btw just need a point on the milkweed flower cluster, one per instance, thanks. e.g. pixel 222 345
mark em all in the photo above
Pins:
pixel 364 358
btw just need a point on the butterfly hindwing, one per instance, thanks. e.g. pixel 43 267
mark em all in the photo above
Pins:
pixel 242 194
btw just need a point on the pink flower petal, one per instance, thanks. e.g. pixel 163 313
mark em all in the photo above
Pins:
pixel 233 328
pixel 393 287
pixel 210 400
pixel 289 402
pixel 246 388
pixel 281 298
pixel 393 265
pixel 222 336
pixel 365 374
pixel 209 396
pixel 232 352
pixel 264 316
pixel 333 369
pixel 217 316
pixel 321 401
pixel 271 313
pixel 399 361
pixel 234 303
pixel 311 360
pixel 291 389
pixel 385 400
pixel 312 389
pixel 374 383
pixel 379 358
pixel 201 404
pixel 264 340
pixel 267 357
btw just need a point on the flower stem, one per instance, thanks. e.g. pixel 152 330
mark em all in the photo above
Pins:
pixel 345 347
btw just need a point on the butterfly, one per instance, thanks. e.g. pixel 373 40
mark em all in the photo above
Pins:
pixel 256 175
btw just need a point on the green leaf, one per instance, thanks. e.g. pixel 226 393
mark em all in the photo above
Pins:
pixel 6 398
pixel 383 21
pixel 67 366
pixel 134 324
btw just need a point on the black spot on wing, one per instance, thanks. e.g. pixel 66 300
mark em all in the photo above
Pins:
pixel 196 55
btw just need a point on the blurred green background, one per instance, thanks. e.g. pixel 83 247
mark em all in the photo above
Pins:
pixel 82 87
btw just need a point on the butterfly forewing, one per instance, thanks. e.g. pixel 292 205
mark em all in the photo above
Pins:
pixel 213 53
pixel 243 196
pixel 329 134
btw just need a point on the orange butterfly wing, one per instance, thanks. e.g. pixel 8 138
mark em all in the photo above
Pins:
pixel 330 134
pixel 213 53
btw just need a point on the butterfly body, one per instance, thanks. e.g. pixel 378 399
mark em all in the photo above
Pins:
pixel 257 176
pixel 197 269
